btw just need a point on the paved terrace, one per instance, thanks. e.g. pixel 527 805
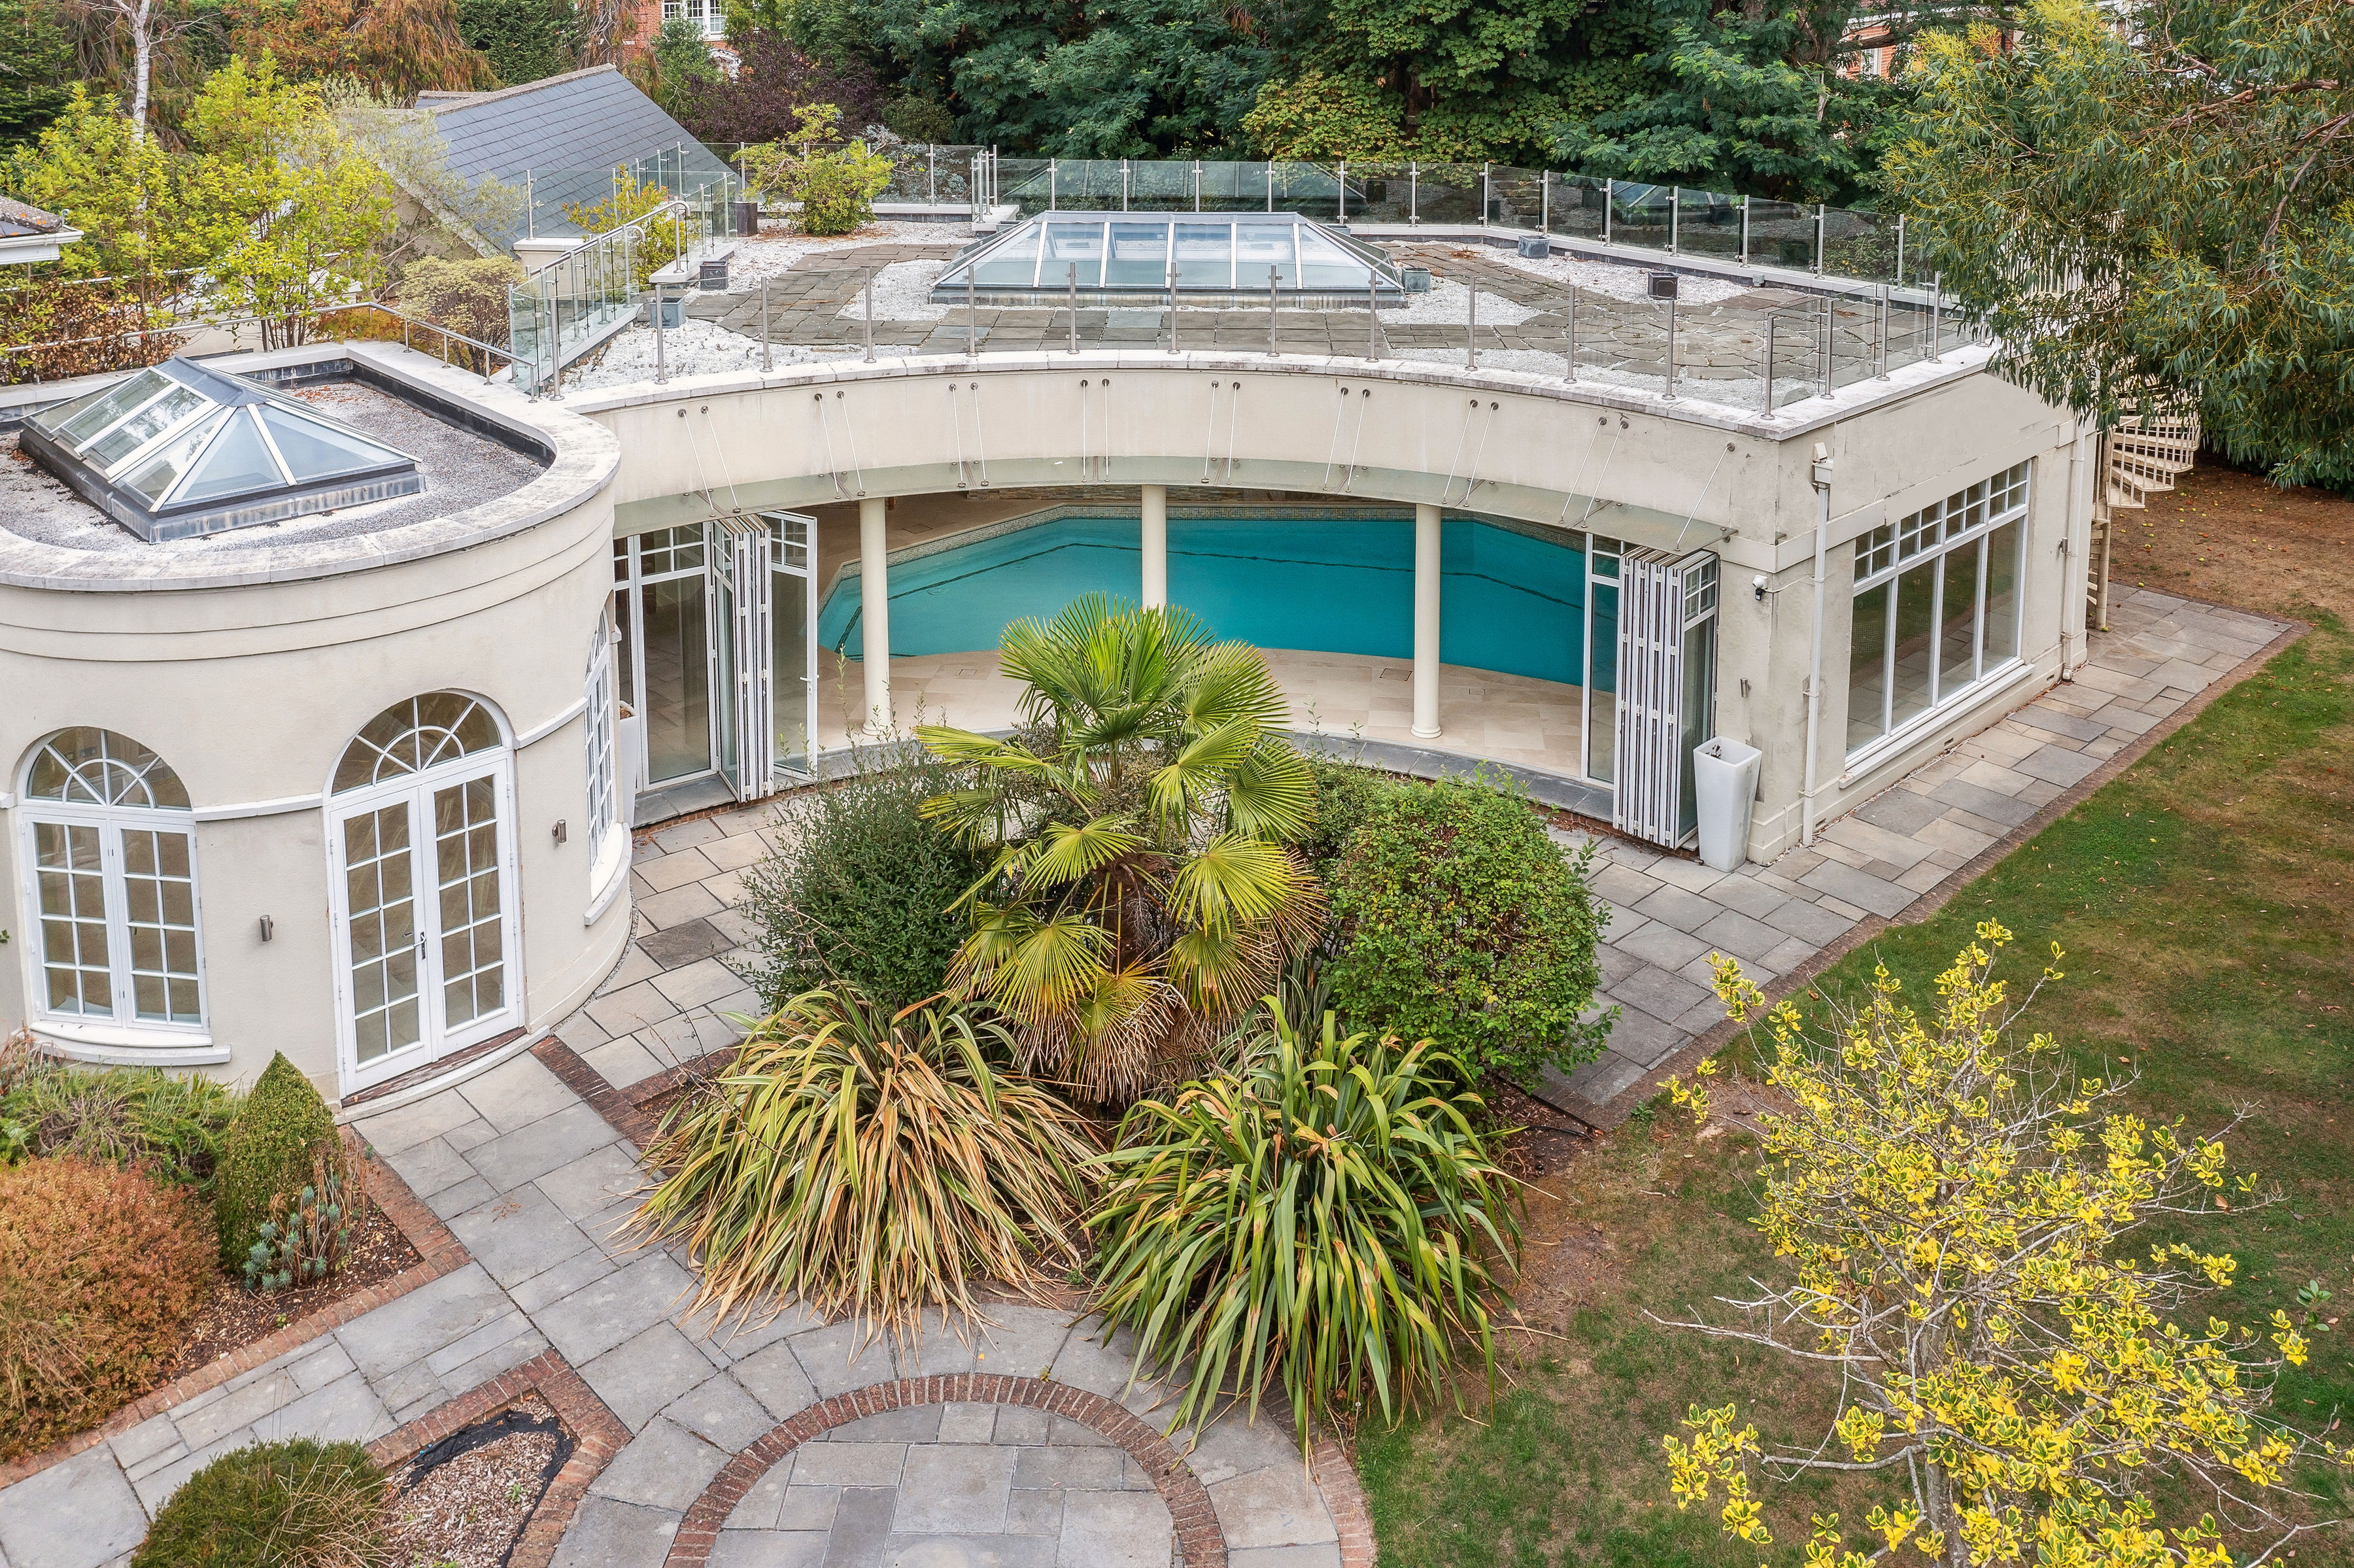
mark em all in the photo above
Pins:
pixel 1621 341
pixel 785 1441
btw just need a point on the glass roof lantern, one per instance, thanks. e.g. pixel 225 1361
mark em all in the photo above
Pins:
pixel 1123 257
pixel 181 450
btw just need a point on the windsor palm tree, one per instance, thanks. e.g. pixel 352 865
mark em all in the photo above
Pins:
pixel 1143 893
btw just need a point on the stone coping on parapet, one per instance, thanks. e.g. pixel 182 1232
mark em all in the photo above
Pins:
pixel 1793 420
pixel 580 458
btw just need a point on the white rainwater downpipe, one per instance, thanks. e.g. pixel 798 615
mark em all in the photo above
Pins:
pixel 1821 476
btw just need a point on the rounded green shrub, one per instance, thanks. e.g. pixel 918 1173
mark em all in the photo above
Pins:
pixel 1346 793
pixel 296 1504
pixel 858 894
pixel 271 1148
pixel 1463 924
pixel 100 1268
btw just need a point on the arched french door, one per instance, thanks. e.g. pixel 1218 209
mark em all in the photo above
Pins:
pixel 420 857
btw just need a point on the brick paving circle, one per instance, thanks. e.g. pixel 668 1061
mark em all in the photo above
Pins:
pixel 1200 1541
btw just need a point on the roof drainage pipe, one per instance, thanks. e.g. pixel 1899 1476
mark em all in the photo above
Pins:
pixel 1820 477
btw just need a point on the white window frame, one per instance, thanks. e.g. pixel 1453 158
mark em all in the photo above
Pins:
pixel 435 1039
pixel 1937 533
pixel 120 1027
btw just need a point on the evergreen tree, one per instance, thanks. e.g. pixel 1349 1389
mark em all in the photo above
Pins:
pixel 523 40
pixel 37 70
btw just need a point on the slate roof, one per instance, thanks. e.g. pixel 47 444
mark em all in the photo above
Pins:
pixel 18 221
pixel 569 133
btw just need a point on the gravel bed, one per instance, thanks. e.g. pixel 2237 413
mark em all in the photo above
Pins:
pixel 463 1502
pixel 775 251
pixel 695 347
pixel 902 293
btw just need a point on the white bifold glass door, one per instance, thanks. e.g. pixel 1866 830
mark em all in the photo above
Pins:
pixel 425 906
pixel 718 650
pixel 792 636
pixel 1667 687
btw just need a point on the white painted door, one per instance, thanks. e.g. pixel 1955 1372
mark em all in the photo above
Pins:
pixel 425 915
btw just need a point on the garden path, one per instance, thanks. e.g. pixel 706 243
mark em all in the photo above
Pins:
pixel 729 1421
pixel 1044 1460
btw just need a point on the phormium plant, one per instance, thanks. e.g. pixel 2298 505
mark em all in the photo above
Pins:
pixel 1329 1219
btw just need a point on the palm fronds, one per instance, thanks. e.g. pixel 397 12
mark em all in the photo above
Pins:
pixel 869 1162
pixel 1322 1219
pixel 1144 894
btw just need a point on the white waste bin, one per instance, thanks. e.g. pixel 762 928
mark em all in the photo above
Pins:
pixel 1724 785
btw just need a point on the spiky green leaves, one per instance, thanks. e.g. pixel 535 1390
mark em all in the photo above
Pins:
pixel 1144 891
pixel 1327 1220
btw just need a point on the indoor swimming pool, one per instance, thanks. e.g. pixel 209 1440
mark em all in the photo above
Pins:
pixel 1511 601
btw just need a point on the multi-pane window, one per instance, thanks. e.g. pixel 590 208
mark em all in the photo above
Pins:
pixel 114 882
pixel 604 810
pixel 710 16
pixel 1936 604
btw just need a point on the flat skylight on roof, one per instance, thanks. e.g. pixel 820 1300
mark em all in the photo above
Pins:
pixel 1199 253
pixel 180 450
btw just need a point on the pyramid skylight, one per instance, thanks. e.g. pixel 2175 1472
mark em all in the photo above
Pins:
pixel 181 450
pixel 1145 254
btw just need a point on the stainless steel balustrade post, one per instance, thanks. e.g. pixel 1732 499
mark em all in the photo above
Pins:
pixel 1373 315
pixel 662 369
pixel 1771 322
pixel 1075 307
pixel 1571 374
pixel 869 292
pixel 1413 192
pixel 1274 277
pixel 1821 235
pixel 1936 310
pixel 1343 197
pixel 1887 310
pixel 1471 325
pixel 971 316
pixel 1671 349
pixel 1172 304
pixel 1609 201
pixel 1830 335
pixel 1544 207
pixel 1675 218
pixel 1745 231
pixel 1487 194
pixel 768 355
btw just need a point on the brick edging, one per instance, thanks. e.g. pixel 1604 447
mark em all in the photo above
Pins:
pixel 619 1111
pixel 1345 1499
pixel 654 1085
pixel 596 1436
pixel 1199 1536
pixel 1722 1033
pixel 438 1251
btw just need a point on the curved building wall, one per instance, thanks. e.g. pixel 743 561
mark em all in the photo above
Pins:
pixel 251 691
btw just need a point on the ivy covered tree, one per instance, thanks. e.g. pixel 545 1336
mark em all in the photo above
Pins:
pixel 775 81
pixel 2170 203
pixel 1966 1221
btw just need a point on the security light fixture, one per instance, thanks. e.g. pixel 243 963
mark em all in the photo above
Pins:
pixel 181 450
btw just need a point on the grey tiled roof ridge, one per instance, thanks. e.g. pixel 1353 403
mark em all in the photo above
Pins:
pixel 440 105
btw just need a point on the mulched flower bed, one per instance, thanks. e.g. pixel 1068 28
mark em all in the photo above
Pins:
pixel 236 1317
pixel 463 1502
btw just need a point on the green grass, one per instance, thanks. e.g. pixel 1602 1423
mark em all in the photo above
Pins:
pixel 2205 900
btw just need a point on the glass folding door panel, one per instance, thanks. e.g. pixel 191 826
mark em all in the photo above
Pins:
pixel 792 636
pixel 1602 661
pixel 741 639
pixel 1667 682
pixel 663 609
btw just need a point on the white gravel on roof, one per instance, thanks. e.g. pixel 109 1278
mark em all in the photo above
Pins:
pixel 695 347
pixel 1448 301
pixel 1617 279
pixel 774 250
pixel 902 293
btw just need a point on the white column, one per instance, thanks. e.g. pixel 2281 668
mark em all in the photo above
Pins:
pixel 1426 623
pixel 1156 545
pixel 875 614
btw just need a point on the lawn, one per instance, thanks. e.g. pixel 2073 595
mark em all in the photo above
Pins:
pixel 2205 900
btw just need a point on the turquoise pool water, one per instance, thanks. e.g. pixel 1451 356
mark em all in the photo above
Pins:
pixel 1508 601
